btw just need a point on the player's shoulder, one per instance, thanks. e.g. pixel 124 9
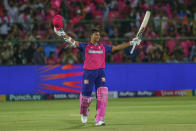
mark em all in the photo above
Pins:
pixel 106 45
pixel 84 43
pixel 101 44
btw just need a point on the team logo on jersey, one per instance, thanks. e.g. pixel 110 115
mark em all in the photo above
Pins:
pixel 103 79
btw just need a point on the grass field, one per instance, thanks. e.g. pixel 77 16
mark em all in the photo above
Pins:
pixel 125 114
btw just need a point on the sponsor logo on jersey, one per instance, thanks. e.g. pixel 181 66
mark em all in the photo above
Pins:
pixel 95 52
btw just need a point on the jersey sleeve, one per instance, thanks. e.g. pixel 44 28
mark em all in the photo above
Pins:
pixel 108 48
pixel 82 46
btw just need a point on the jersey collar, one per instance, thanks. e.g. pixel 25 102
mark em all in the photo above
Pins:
pixel 94 44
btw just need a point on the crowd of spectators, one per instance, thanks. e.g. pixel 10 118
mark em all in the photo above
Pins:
pixel 25 24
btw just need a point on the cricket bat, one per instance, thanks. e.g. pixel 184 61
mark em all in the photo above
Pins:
pixel 142 28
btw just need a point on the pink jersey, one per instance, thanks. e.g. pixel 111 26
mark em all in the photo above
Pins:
pixel 94 55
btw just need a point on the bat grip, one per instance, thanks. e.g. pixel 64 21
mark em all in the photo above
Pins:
pixel 132 49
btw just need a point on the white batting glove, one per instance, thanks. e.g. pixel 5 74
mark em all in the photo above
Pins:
pixel 136 41
pixel 60 32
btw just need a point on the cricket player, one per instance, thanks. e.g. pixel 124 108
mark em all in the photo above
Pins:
pixel 94 63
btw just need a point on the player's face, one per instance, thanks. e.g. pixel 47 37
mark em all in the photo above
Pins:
pixel 95 37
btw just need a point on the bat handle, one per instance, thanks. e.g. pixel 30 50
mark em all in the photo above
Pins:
pixel 131 52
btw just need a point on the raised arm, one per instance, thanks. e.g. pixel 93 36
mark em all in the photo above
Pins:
pixel 135 41
pixel 58 29
pixel 67 38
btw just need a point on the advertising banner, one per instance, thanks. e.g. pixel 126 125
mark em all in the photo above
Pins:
pixel 136 94
pixel 66 96
pixel 145 93
pixel 127 94
pixel 194 92
pixel 27 97
pixel 2 98
pixel 127 79
pixel 47 79
pixel 174 93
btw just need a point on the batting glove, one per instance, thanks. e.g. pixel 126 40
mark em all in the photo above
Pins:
pixel 60 32
pixel 136 41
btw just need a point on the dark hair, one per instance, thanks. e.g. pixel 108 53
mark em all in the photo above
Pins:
pixel 95 30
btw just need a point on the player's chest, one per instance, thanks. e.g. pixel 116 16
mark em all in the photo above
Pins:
pixel 98 49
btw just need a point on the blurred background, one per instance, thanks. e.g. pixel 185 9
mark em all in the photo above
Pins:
pixel 165 57
pixel 36 64
pixel 25 28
